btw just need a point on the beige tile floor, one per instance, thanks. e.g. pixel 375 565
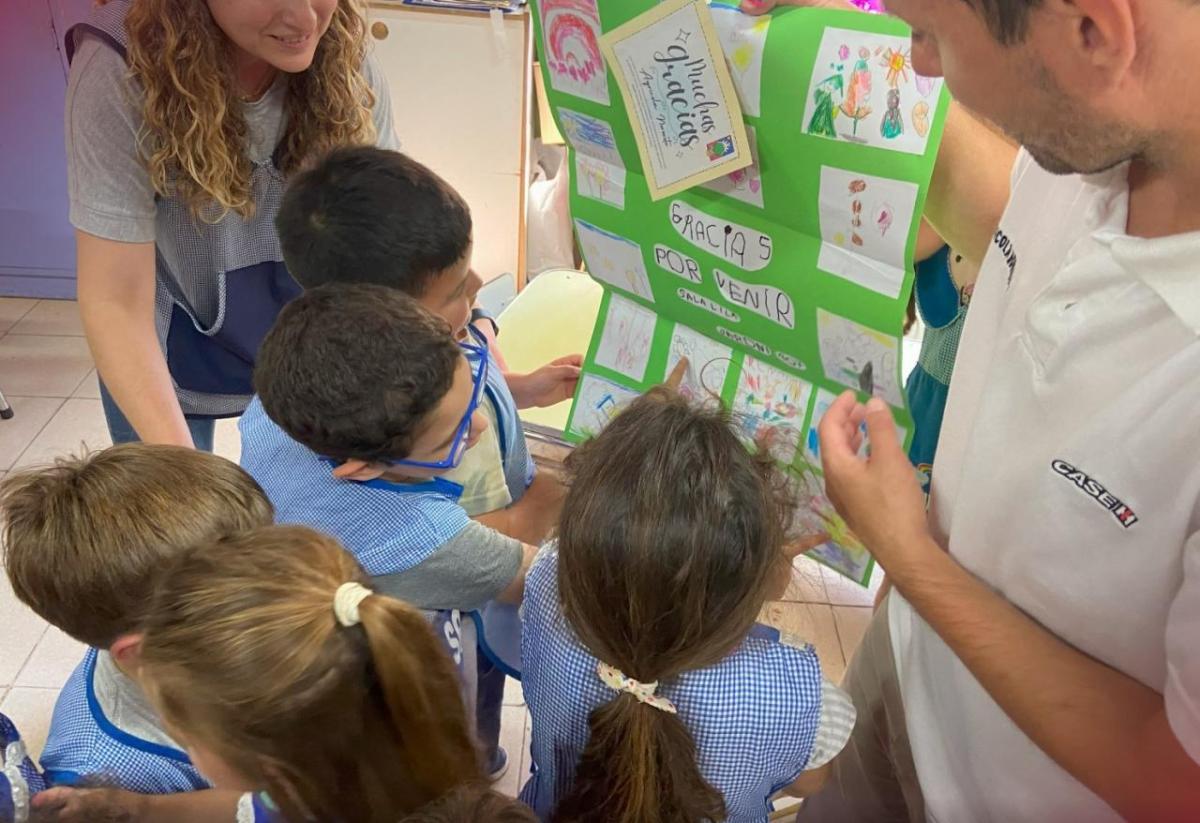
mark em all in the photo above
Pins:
pixel 47 375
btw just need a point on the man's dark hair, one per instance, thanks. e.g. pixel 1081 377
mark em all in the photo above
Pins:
pixel 1007 20
pixel 352 371
pixel 370 215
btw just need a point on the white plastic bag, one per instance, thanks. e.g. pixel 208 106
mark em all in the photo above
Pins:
pixel 550 242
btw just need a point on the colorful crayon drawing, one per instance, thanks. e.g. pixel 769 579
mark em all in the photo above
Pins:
pixel 599 180
pixel 708 363
pixel 843 552
pixel 769 407
pixel 598 402
pixel 856 104
pixel 571 33
pixel 820 121
pixel 614 260
pixel 743 39
pixel 850 351
pixel 627 338
pixel 865 225
pixel 590 135
pixel 847 103
pixel 812 443
pixel 743 184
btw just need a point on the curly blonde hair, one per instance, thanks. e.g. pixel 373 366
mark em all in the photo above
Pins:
pixel 193 137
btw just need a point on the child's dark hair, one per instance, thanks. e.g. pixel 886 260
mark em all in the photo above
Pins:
pixel 351 371
pixel 670 542
pixel 473 803
pixel 245 656
pixel 370 215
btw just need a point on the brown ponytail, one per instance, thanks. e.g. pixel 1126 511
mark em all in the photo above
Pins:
pixel 670 541
pixel 243 657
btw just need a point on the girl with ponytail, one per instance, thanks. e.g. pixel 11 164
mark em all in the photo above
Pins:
pixel 284 676
pixel 655 696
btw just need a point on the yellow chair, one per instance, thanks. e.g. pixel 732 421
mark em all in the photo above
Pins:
pixel 552 317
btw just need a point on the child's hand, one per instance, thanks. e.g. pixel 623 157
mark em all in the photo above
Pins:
pixel 65 805
pixel 552 383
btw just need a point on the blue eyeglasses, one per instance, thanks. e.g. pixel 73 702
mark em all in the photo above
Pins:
pixel 458 447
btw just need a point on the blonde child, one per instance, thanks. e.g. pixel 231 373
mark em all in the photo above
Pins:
pixel 84 542
pixel 283 674
pixel 654 694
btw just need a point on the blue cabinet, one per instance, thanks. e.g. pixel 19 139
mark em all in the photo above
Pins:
pixel 37 246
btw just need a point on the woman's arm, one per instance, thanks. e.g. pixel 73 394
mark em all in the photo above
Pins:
pixel 116 302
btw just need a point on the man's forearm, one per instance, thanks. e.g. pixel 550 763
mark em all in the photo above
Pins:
pixel 1105 728
pixel 970 185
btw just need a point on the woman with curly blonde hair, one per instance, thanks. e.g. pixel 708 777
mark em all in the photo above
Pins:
pixel 184 120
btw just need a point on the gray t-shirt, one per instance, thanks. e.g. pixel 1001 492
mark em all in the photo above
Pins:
pixel 110 191
pixel 465 572
pixel 217 285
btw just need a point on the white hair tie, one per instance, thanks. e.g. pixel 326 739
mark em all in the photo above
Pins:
pixel 644 692
pixel 347 600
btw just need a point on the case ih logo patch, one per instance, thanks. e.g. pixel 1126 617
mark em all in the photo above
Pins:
pixel 1125 515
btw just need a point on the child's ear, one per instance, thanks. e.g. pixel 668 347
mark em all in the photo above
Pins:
pixel 127 649
pixel 359 470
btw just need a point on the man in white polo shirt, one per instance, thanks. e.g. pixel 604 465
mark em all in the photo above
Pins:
pixel 1039 658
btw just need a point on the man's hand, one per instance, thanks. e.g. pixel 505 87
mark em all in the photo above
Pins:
pixel 878 495
pixel 552 383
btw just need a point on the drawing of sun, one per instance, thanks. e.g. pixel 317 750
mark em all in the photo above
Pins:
pixel 897 63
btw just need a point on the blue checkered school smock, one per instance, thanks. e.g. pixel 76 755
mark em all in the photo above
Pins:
pixel 754 716
pixel 84 743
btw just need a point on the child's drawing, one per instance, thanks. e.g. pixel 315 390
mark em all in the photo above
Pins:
pixel 865 226
pixel 920 117
pixel 708 363
pixel 820 121
pixel 861 358
pixel 863 87
pixel 856 104
pixel 812 443
pixel 571 30
pixel 844 552
pixel 627 337
pixel 599 180
pixel 598 402
pixel 743 39
pixel 590 136
pixel 743 184
pixel 770 406
pixel 614 260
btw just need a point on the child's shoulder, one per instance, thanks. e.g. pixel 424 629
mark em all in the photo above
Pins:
pixel 85 743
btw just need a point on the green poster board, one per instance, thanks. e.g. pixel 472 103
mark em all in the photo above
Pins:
pixel 785 283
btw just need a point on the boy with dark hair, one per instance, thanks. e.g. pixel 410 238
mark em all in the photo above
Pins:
pixel 368 215
pixel 361 383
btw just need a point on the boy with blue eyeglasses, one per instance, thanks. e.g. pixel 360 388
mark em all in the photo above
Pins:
pixel 365 404
pixel 367 215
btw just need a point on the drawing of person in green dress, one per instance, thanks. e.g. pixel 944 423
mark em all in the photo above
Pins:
pixel 821 122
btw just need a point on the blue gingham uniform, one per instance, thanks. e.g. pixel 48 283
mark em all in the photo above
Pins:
pixel 84 743
pixel 754 716
pixel 388 527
